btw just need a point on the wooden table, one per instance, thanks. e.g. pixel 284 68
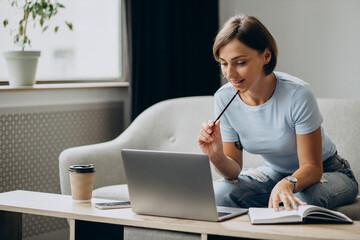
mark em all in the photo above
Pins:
pixel 88 222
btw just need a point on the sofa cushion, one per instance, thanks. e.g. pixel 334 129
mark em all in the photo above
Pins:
pixel 341 123
pixel 113 192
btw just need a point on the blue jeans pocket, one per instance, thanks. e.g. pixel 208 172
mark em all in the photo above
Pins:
pixel 336 163
pixel 332 164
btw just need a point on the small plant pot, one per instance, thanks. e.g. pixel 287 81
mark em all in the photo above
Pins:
pixel 22 67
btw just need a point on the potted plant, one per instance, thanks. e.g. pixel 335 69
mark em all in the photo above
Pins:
pixel 36 13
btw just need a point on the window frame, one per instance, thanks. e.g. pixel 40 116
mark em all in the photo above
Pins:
pixel 88 82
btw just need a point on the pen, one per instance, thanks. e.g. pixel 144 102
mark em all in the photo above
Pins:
pixel 226 107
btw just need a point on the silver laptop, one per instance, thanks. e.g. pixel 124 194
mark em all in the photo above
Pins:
pixel 173 184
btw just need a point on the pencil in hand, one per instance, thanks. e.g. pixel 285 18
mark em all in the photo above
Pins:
pixel 226 107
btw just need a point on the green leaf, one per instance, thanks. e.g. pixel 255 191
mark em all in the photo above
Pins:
pixel 54 12
pixel 21 29
pixel 16 38
pixel 32 4
pixel 44 5
pixel 41 21
pixel 60 5
pixel 39 11
pixel 56 29
pixel 5 23
pixel 69 24
pixel 51 8
pixel 45 28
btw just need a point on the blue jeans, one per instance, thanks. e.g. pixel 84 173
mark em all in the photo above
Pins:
pixel 253 187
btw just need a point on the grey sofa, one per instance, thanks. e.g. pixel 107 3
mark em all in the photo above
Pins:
pixel 174 125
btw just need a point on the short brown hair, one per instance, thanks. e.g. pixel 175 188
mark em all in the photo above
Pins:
pixel 251 32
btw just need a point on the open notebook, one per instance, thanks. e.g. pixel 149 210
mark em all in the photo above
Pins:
pixel 303 214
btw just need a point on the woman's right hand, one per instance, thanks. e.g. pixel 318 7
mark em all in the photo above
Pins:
pixel 210 140
pixel 211 144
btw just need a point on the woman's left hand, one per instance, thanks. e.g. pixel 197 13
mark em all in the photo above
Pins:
pixel 283 193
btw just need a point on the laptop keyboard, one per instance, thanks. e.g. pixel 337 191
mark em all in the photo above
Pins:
pixel 221 214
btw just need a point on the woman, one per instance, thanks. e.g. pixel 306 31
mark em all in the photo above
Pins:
pixel 275 115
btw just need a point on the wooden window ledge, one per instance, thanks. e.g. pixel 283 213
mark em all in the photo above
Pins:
pixel 66 86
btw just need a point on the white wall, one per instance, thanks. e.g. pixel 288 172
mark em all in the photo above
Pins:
pixel 318 41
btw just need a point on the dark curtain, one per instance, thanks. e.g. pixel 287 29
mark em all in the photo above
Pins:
pixel 171 49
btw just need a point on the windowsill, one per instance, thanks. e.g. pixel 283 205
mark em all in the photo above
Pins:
pixel 58 86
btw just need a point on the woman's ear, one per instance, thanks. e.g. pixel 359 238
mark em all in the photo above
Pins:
pixel 267 56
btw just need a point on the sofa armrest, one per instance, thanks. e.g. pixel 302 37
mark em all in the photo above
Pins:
pixel 105 156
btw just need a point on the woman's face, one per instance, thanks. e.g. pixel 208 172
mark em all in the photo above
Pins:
pixel 243 66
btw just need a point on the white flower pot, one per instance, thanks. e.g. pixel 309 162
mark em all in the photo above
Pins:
pixel 22 67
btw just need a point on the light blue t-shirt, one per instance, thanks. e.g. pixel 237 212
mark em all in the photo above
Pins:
pixel 270 129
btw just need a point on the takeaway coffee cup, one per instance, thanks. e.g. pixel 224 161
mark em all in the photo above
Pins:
pixel 81 181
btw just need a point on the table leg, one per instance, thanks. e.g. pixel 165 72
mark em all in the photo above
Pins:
pixel 72 229
pixel 204 236
pixel 10 225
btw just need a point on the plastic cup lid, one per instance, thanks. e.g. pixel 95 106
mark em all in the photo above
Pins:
pixel 82 168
